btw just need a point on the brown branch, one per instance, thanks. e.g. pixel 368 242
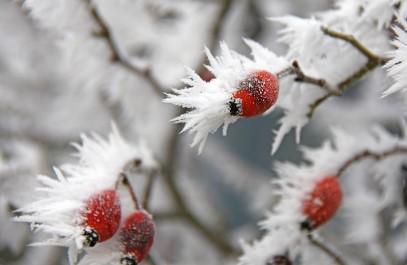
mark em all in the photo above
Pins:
pixel 373 61
pixel 217 238
pixel 327 250
pixel 216 30
pixel 343 86
pixel 125 181
pixel 373 155
pixel 117 55
pixel 165 216
pixel 302 77
pixel 354 42
pixel 148 189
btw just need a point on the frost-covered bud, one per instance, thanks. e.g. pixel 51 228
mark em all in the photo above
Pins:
pixel 102 217
pixel 322 202
pixel 136 237
pixel 256 94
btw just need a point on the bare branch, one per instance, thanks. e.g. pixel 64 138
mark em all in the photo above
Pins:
pixel 330 251
pixel 373 155
pixel 169 167
pixel 302 77
pixel 165 216
pixel 116 53
pixel 354 42
pixel 343 86
pixel 373 61
pixel 148 189
pixel 123 179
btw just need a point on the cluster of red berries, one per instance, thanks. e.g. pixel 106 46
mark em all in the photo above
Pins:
pixel 102 219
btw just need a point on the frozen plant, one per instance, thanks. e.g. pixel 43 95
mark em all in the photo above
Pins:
pixel 82 207
pixel 163 71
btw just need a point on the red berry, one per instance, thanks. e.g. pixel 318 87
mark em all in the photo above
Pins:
pixel 137 237
pixel 102 217
pixel 255 95
pixel 322 203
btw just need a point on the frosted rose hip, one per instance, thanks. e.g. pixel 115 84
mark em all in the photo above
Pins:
pixel 137 237
pixel 322 202
pixel 102 217
pixel 256 94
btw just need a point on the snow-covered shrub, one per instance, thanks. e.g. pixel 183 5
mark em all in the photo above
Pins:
pixel 335 76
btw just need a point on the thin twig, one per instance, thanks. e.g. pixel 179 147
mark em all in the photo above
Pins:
pixel 343 86
pixel 373 61
pixel 165 216
pixel 354 42
pixel 302 77
pixel 217 238
pixel 327 250
pixel 125 181
pixel 117 54
pixel 370 154
pixel 148 190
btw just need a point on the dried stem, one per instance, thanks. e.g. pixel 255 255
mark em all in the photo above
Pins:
pixel 354 42
pixel 330 251
pixel 373 155
pixel 117 54
pixel 148 190
pixel 373 61
pixel 125 181
pixel 343 86
pixel 165 216
pixel 302 77
pixel 170 165
pixel 169 171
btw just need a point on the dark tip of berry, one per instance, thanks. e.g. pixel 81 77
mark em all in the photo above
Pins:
pixel 306 225
pixel 137 162
pixel 403 168
pixel 128 260
pixel 279 260
pixel 91 237
pixel 235 107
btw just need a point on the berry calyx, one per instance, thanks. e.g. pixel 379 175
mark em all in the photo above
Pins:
pixel 279 260
pixel 322 202
pixel 137 237
pixel 101 218
pixel 256 94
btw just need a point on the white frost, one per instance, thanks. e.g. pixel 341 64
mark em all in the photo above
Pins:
pixel 208 100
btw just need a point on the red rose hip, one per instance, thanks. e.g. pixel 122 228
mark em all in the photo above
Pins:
pixel 322 202
pixel 101 217
pixel 137 237
pixel 256 94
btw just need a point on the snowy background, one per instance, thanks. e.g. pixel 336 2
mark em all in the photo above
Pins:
pixel 58 80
